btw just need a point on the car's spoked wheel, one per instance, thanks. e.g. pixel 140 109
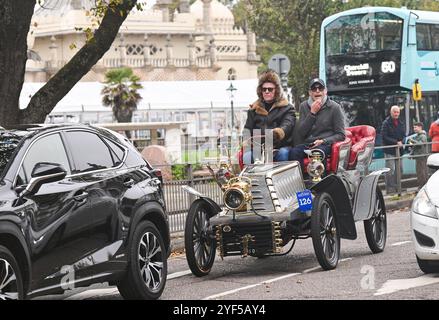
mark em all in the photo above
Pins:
pixel 151 261
pixel 200 247
pixel 376 227
pixel 148 269
pixel 11 285
pixel 324 232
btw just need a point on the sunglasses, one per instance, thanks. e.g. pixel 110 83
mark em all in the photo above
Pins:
pixel 270 89
pixel 320 88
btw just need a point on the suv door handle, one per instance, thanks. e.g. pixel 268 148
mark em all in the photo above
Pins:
pixel 128 183
pixel 81 196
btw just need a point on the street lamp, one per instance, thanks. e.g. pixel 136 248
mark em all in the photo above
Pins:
pixel 231 88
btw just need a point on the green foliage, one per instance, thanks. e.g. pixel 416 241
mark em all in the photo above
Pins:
pixel 292 27
pixel 178 172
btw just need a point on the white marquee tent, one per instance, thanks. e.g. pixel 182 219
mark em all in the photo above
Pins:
pixel 158 95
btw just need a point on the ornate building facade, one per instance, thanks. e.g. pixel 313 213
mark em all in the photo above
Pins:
pixel 197 42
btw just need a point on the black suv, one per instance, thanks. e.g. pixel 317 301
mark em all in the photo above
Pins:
pixel 79 205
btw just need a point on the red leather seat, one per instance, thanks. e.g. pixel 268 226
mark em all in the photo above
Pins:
pixel 363 142
pixel 338 157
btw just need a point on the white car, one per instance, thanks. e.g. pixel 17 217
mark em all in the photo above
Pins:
pixel 424 216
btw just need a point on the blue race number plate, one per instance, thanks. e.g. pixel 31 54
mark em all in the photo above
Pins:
pixel 305 200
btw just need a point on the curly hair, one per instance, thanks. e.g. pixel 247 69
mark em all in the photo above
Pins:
pixel 272 77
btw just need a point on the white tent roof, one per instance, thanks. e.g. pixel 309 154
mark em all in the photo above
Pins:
pixel 86 96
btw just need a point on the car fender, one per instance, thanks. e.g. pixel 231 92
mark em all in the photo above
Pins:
pixel 154 212
pixel 365 197
pixel 334 186
pixel 212 204
pixel 11 229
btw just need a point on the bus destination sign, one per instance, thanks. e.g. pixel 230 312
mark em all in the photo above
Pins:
pixel 377 70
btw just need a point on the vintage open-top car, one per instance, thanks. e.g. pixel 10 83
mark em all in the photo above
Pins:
pixel 268 206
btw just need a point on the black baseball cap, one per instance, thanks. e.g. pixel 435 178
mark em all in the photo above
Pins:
pixel 315 81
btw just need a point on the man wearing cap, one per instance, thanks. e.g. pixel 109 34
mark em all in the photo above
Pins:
pixel 321 122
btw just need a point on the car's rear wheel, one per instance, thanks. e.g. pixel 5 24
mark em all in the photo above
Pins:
pixel 324 232
pixel 11 280
pixel 428 266
pixel 376 227
pixel 147 270
pixel 200 247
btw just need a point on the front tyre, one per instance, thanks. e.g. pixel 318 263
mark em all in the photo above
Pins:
pixel 376 227
pixel 147 270
pixel 324 232
pixel 11 280
pixel 200 247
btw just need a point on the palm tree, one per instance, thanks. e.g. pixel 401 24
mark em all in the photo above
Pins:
pixel 120 93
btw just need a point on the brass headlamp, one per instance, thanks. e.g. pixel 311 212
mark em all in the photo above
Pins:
pixel 237 193
pixel 315 167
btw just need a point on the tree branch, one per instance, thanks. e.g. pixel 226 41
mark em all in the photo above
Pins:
pixel 43 102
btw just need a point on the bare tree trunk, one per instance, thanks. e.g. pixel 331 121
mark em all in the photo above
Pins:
pixel 63 81
pixel 15 18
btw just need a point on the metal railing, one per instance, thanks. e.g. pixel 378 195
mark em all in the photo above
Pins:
pixel 405 173
pixel 178 201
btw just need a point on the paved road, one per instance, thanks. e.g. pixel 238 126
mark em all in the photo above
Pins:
pixel 393 274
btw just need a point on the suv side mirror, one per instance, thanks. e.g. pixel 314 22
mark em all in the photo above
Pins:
pixel 44 172
pixel 433 161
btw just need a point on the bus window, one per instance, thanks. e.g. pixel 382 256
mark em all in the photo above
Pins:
pixel 434 30
pixel 423 37
pixel 362 33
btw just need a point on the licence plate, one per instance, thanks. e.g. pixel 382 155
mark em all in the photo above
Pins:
pixel 304 199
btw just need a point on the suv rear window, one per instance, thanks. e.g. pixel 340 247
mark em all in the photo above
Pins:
pixel 89 152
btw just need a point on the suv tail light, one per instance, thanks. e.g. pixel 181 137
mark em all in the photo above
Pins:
pixel 158 174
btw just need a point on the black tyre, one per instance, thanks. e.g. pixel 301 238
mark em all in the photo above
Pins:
pixel 11 280
pixel 200 247
pixel 324 232
pixel 428 266
pixel 376 227
pixel 147 269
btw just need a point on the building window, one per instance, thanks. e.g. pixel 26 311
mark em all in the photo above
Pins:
pixel 228 49
pixel 138 49
pixel 231 74
pixel 134 49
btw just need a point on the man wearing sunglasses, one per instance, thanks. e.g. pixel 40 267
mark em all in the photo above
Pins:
pixel 320 124
pixel 271 111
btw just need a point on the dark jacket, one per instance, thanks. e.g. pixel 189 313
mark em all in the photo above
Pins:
pixel 418 140
pixel 327 124
pixel 391 134
pixel 280 117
